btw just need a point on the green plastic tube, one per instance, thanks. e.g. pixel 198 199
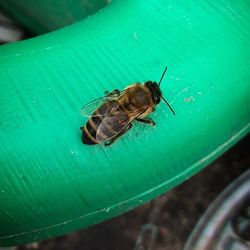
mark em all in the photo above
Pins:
pixel 50 182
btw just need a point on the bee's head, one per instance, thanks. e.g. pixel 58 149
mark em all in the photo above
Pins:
pixel 155 91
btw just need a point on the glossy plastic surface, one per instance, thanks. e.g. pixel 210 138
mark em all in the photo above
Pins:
pixel 50 182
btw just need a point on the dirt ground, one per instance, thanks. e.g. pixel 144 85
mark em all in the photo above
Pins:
pixel 164 223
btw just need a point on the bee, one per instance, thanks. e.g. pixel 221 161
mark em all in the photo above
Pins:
pixel 112 115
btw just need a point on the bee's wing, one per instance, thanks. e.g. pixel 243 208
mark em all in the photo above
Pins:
pixel 114 123
pixel 88 109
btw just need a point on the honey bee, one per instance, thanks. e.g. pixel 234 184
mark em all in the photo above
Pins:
pixel 112 115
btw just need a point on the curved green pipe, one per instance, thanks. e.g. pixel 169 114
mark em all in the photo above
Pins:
pixel 50 182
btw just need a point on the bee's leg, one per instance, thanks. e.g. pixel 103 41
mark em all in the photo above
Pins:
pixel 115 92
pixel 126 129
pixel 146 120
pixel 108 143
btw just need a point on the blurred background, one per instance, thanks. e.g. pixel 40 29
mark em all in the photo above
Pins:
pixel 9 31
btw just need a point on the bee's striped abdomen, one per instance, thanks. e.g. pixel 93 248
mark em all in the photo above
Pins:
pixel 88 135
pixel 90 129
pixel 116 118
pixel 113 124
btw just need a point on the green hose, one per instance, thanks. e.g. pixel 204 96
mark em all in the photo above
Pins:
pixel 50 182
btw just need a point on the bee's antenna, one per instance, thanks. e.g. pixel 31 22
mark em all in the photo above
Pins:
pixel 167 103
pixel 162 75
pixel 162 96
